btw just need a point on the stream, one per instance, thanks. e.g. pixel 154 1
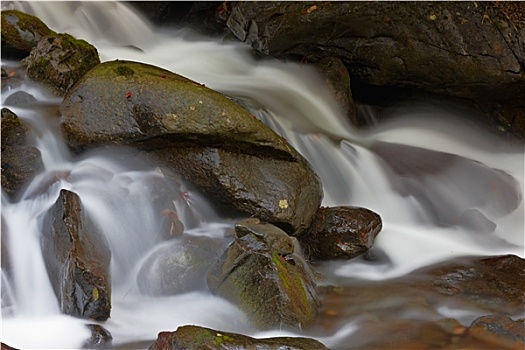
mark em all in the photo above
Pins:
pixel 470 205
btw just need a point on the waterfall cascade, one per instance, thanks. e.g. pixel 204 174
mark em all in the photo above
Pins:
pixel 356 168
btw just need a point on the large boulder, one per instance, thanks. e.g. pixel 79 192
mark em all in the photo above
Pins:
pixel 20 162
pixel 263 273
pixel 59 60
pixel 455 48
pixel 195 337
pixel 216 145
pixel 77 259
pixel 21 33
pixel 450 52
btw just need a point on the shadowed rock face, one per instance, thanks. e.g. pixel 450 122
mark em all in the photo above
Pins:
pixel 435 46
pixel 261 273
pixel 77 259
pixel 194 337
pixel 216 145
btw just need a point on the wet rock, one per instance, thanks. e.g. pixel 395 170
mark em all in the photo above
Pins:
pixel 341 233
pixel 100 338
pixel 194 337
pixel 434 46
pixel 179 265
pixel 264 275
pixel 21 33
pixel 214 144
pixel 499 329
pixel 20 162
pixel 77 259
pixel 59 61
pixel 338 80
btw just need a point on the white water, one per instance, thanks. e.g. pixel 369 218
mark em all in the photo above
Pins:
pixel 290 99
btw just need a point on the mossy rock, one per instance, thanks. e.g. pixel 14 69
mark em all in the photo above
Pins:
pixel 21 33
pixel 234 159
pixel 60 60
pixel 195 337
pixel 272 284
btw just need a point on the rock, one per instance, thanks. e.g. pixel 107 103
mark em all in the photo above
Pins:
pixel 21 33
pixel 179 265
pixel 77 259
pixel 433 46
pixel 217 146
pixel 261 273
pixel 338 80
pixel 20 162
pixel 7 347
pixel 420 173
pixel 340 233
pixel 100 338
pixel 195 337
pixel 499 329
pixel 59 60
pixel 398 51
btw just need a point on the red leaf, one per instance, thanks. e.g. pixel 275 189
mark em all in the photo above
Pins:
pixel 128 94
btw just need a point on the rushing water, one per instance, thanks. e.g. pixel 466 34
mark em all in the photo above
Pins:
pixel 378 169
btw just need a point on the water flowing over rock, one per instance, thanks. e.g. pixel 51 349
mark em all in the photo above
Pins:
pixel 59 60
pixel 395 49
pixel 77 258
pixel 264 275
pixel 438 307
pixel 194 337
pixel 215 144
pixel 21 33
pixel 341 233
pixel 500 329
pixel 428 45
pixel 20 162
pixel 179 265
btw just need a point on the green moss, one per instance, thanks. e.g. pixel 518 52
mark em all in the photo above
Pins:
pixel 124 70
pixel 294 287
pixel 21 31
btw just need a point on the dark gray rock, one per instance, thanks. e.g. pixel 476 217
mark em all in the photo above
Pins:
pixel 341 233
pixel 77 259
